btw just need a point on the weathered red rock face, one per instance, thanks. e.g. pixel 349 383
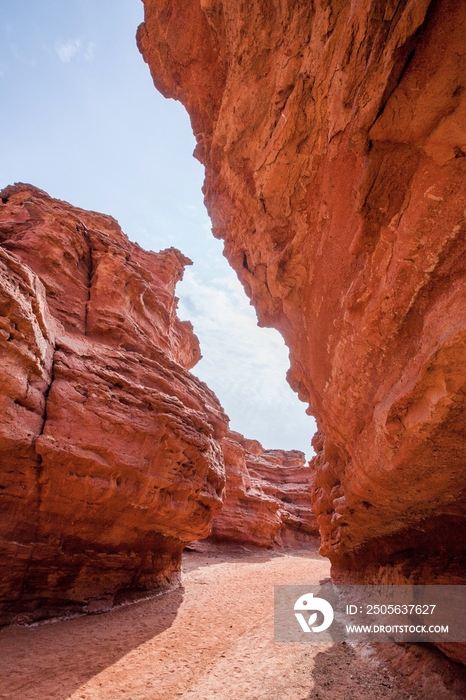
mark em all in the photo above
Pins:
pixel 267 496
pixel 110 454
pixel 334 140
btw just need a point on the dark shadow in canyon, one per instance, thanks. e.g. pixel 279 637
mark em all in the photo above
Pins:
pixel 386 671
pixel 112 635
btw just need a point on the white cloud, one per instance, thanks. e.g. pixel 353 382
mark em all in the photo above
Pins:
pixel 66 50
pixel 245 365
pixel 89 53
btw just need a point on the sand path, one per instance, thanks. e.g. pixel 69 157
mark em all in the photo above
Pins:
pixel 211 639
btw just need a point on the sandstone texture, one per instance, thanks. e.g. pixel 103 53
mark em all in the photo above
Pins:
pixel 334 140
pixel 267 496
pixel 110 450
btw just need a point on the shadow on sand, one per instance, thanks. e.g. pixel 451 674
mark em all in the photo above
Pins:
pixel 382 671
pixel 34 657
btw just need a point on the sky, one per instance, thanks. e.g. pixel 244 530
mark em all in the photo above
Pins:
pixel 81 119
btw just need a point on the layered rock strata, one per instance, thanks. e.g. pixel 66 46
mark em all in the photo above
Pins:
pixel 267 496
pixel 334 140
pixel 110 450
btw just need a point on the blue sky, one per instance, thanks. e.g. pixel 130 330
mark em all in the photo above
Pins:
pixel 82 120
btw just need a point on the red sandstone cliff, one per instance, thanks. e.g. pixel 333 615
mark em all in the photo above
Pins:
pixel 334 140
pixel 110 450
pixel 267 496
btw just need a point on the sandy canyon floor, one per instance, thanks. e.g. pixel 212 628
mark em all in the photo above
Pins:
pixel 213 638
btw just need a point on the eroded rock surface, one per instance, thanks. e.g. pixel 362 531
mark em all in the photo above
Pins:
pixel 334 140
pixel 110 450
pixel 267 496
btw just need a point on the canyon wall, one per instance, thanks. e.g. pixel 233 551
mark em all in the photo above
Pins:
pixel 110 450
pixel 267 496
pixel 334 140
